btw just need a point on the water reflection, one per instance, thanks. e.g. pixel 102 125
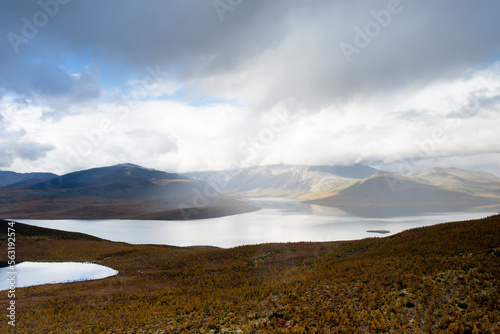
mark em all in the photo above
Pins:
pixel 280 220
pixel 36 273
pixel 294 206
pixel 401 211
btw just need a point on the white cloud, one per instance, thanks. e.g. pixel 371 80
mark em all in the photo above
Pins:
pixel 172 135
pixel 16 143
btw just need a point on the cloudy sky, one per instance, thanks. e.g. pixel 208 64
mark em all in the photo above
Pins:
pixel 217 84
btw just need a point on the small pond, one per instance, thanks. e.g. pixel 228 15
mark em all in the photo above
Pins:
pixel 36 273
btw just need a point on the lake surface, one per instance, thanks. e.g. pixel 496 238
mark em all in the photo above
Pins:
pixel 36 273
pixel 280 220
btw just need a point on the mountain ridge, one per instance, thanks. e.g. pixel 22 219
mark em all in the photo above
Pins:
pixel 100 176
pixel 386 193
pixel 296 181
pixel 475 182
pixel 130 191
pixel 119 191
pixel 8 177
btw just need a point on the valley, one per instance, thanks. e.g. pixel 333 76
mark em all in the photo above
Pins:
pixel 260 167
pixel 343 252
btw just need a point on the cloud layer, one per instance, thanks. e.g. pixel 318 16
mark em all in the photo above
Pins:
pixel 198 85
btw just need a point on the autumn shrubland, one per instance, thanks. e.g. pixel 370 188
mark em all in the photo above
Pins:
pixel 438 279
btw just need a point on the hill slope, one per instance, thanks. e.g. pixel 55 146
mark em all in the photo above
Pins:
pixel 386 194
pixel 7 178
pixel 472 182
pixel 126 174
pixel 121 191
pixel 442 278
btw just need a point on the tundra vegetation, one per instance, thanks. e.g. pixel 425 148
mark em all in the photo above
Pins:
pixel 438 279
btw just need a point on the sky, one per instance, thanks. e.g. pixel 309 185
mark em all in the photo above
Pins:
pixel 198 85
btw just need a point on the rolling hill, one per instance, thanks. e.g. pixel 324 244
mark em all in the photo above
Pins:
pixel 472 182
pixel 126 174
pixel 436 279
pixel 121 191
pixel 386 194
pixel 7 178
pixel 135 192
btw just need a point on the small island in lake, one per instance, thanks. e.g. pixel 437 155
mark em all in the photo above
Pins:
pixel 379 231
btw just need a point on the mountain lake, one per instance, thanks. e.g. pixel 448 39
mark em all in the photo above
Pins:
pixel 280 220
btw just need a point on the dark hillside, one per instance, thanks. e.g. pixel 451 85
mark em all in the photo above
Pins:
pixel 123 191
pixel 387 194
pixel 8 178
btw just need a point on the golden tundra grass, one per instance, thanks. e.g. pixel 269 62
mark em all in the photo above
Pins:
pixel 439 279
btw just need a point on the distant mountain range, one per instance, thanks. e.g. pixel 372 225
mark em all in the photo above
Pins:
pixel 472 182
pixel 297 181
pixel 436 190
pixel 7 178
pixel 121 191
pixel 363 190
pixel 134 192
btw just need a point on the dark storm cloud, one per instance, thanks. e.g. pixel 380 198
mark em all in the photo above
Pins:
pixel 423 42
pixel 67 57
pixel 39 78
pixel 148 32
pixel 28 150
pixel 59 92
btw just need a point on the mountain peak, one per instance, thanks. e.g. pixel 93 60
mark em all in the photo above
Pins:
pixel 128 165
pixel 124 174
